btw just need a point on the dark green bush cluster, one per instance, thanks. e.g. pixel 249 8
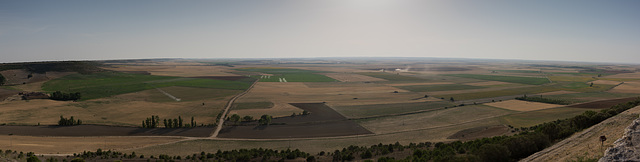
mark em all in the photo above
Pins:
pixel 65 96
pixel 69 122
pixel 544 100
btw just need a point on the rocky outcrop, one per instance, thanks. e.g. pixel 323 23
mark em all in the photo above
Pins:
pixel 626 148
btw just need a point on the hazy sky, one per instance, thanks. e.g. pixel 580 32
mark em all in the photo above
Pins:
pixel 567 30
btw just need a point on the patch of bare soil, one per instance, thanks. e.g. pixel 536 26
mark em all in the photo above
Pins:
pixel 603 104
pixel 322 122
pixel 586 144
pixel 480 132
pixel 101 130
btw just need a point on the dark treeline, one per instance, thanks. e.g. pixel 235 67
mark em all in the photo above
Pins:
pixel 68 122
pixel 154 122
pixel 544 100
pixel 2 80
pixel 259 154
pixel 65 96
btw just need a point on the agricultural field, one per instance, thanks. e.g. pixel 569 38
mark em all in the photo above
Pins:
pixel 531 118
pixel 99 85
pixel 350 103
pixel 510 79
pixel 288 75
pixel 364 111
pixel 442 87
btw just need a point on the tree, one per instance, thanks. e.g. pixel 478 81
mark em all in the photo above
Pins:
pixel 170 123
pixel 2 80
pixel 179 121
pixel 175 123
pixel 366 155
pixel 493 153
pixel 451 99
pixel 305 112
pixel 248 118
pixel 165 123
pixel 193 123
pixel 234 118
pixel 33 158
pixel 265 120
pixel 591 85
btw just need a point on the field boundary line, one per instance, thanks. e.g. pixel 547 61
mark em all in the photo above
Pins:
pixel 226 110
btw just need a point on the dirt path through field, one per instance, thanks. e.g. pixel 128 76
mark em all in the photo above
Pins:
pixel 226 110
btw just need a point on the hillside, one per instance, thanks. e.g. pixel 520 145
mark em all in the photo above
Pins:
pixel 586 144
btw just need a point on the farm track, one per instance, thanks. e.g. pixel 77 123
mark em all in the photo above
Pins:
pixel 226 110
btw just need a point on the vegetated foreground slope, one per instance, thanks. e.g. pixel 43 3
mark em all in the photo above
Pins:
pixel 586 144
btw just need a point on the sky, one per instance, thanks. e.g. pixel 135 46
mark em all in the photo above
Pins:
pixel 567 30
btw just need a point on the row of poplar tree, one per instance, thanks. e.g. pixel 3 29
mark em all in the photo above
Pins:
pixel 154 122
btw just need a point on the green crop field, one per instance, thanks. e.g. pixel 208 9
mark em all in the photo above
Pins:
pixel 99 85
pixel 360 111
pixel 440 87
pixel 290 75
pixel 531 118
pixel 510 79
pixel 392 76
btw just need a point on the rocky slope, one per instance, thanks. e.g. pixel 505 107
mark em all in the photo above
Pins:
pixel 626 148
pixel 586 144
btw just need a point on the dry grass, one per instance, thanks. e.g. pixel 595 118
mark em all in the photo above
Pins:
pixel 432 119
pixel 70 145
pixel 518 105
pixel 627 87
pixel 587 142
pixel 351 77
pixel 635 75
pixel 607 82
pixel 118 110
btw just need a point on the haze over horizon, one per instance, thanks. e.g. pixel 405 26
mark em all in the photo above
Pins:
pixel 584 31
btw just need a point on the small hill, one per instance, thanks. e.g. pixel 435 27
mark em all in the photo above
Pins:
pixel 82 67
